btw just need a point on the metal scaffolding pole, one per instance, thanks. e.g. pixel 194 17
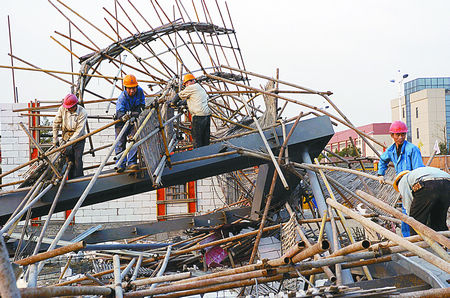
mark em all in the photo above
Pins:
pixel 323 209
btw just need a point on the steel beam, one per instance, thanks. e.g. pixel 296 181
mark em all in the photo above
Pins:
pixel 310 135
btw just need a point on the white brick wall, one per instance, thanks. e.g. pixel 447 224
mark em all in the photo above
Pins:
pixel 14 143
pixel 142 207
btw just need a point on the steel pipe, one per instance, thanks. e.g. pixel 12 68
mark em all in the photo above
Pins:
pixel 52 253
pixel 420 227
pixel 438 262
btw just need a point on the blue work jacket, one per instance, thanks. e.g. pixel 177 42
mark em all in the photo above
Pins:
pixel 409 159
pixel 126 103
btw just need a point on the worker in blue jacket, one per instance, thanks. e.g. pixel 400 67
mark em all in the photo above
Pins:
pixel 404 156
pixel 129 105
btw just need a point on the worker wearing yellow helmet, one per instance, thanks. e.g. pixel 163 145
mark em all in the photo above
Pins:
pixel 425 195
pixel 129 105
pixel 197 102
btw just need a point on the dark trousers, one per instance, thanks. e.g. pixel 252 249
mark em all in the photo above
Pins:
pixel 200 130
pixel 430 204
pixel 74 154
pixel 131 158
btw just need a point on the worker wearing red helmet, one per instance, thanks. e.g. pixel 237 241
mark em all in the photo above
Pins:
pixel 130 104
pixel 197 101
pixel 71 120
pixel 404 156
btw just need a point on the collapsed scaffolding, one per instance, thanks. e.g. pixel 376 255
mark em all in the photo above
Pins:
pixel 330 248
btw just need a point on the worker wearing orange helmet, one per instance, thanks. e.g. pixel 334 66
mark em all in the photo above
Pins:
pixel 425 195
pixel 71 120
pixel 197 101
pixel 404 156
pixel 130 104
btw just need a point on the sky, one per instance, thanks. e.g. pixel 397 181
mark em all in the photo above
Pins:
pixel 349 47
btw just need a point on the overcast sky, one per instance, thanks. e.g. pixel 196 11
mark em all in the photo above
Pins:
pixel 352 48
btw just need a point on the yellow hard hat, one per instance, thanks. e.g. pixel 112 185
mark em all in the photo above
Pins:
pixel 398 177
pixel 188 77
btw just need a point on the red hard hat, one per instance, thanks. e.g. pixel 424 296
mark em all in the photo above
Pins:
pixel 398 127
pixel 69 101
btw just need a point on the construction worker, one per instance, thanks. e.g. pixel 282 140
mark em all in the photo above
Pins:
pixel 197 101
pixel 404 156
pixel 71 120
pixel 129 105
pixel 425 194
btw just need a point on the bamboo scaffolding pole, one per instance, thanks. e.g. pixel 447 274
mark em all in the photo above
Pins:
pixel 299 103
pixel 84 195
pixel 429 257
pixel 76 74
pixel 439 292
pixel 159 279
pixel 61 147
pixel 272 186
pixel 49 162
pixel 51 254
pixel 183 251
pixel 343 221
pixel 423 229
pixel 64 291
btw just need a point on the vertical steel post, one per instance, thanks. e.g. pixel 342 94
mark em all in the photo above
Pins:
pixel 323 209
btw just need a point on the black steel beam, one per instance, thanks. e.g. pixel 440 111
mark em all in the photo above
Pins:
pixel 310 135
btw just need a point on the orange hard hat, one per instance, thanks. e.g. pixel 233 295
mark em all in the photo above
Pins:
pixel 69 101
pixel 130 81
pixel 188 77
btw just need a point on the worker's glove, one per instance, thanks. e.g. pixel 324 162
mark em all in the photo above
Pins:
pixel 135 114
pixel 381 179
pixel 125 117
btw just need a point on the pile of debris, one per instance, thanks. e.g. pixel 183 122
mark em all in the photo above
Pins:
pixel 295 226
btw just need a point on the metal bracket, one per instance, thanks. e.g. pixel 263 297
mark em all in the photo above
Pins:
pixel 418 270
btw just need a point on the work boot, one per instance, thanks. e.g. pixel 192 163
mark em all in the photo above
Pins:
pixel 120 170
pixel 133 167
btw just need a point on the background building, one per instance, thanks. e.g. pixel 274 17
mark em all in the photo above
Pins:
pixel 425 108
pixel 378 131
